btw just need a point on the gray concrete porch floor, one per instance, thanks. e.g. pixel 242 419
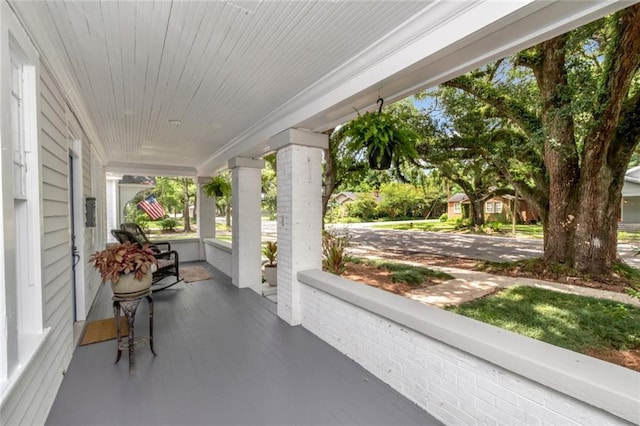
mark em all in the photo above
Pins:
pixel 224 358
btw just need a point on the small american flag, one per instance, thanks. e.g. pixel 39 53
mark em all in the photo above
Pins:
pixel 152 207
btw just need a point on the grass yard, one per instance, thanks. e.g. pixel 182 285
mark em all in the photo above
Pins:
pixel 528 231
pixel 393 277
pixel 582 324
pixel 434 225
pixel 402 272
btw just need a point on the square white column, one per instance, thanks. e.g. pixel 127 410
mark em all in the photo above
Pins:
pixel 299 163
pixel 206 213
pixel 246 229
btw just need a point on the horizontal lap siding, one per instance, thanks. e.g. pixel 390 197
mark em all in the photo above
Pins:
pixel 57 297
pixel 34 393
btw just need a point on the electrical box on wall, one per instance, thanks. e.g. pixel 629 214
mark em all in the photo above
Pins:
pixel 90 212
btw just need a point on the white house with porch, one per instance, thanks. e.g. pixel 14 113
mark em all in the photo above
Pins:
pixel 187 89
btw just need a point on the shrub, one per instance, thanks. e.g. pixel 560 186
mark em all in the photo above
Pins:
pixel 168 224
pixel 334 258
pixel 350 220
pixel 444 217
pixel 461 223
pixel 495 226
pixel 143 221
pixel 364 207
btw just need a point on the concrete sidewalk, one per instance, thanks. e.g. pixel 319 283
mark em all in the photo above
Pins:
pixel 469 285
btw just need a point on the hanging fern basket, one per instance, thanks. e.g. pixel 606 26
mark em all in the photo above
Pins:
pixel 385 138
pixel 380 159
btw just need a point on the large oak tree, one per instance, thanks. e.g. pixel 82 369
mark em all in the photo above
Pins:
pixel 582 108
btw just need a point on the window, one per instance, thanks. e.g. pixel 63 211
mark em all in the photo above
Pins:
pixel 21 328
pixel 17 129
pixel 456 208
pixel 493 207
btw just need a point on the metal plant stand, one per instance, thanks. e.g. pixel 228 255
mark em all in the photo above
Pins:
pixel 129 305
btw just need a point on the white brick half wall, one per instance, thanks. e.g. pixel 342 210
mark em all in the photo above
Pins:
pixel 218 254
pixel 460 370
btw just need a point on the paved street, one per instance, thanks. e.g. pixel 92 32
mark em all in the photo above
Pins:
pixel 483 247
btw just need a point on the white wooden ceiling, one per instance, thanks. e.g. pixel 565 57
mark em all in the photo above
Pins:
pixel 179 87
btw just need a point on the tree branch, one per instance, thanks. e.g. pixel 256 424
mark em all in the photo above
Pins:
pixel 511 109
pixel 621 64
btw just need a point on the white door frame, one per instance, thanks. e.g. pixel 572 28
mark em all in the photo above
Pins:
pixel 77 216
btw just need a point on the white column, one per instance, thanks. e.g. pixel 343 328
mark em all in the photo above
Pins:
pixel 299 214
pixel 246 228
pixel 206 213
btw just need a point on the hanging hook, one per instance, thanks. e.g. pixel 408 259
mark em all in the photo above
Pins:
pixel 381 102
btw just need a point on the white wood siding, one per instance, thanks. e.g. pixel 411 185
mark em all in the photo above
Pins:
pixel 31 399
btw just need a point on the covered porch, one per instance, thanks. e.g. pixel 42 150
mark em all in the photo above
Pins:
pixel 224 357
pixel 190 88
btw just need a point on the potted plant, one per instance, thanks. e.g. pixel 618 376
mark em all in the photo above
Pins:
pixel 270 251
pixel 127 266
pixel 218 186
pixel 386 138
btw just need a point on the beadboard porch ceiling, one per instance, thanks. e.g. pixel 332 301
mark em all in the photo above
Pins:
pixel 180 87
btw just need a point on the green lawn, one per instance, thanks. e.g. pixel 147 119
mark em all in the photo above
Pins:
pixel 420 225
pixel 403 273
pixel 434 225
pixel 530 231
pixel 570 321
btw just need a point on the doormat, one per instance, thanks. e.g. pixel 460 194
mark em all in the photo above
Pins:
pixel 103 330
pixel 194 273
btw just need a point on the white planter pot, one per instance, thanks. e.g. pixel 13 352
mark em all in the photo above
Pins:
pixel 129 287
pixel 271 275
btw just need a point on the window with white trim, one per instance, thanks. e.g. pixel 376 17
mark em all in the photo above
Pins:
pixel 456 208
pixel 493 207
pixel 21 329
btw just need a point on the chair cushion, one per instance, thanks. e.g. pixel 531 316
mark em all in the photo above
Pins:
pixel 165 263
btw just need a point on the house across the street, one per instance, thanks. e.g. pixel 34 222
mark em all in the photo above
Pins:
pixel 497 208
pixel 630 206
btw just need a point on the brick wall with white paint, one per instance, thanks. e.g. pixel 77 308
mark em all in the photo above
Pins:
pixel 246 232
pixel 218 255
pixel 452 385
pixel 299 223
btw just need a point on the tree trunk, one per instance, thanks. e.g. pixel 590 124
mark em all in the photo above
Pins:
pixel 195 207
pixel 329 181
pixel 596 240
pixel 560 152
pixel 584 192
pixel 477 211
pixel 185 208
